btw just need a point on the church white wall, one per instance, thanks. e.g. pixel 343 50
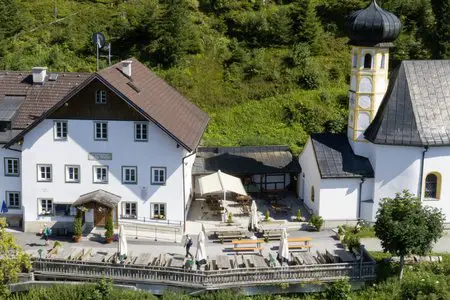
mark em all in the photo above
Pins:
pixel 396 169
pixel 339 198
pixel 310 172
pixel 160 151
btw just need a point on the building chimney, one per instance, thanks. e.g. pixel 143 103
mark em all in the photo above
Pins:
pixel 126 67
pixel 39 74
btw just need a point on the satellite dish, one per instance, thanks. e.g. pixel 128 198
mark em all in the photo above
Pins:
pixel 98 39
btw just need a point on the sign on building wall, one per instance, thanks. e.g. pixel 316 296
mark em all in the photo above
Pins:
pixel 99 156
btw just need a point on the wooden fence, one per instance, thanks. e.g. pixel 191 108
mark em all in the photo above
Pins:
pixel 212 279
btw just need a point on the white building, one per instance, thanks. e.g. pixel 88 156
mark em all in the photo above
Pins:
pixel 119 140
pixel 398 134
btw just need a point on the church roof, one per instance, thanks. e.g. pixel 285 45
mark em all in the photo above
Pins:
pixel 415 110
pixel 336 159
pixel 373 26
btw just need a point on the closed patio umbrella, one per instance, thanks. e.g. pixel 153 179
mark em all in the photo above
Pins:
pixel 200 255
pixel 123 247
pixel 4 208
pixel 283 249
pixel 253 225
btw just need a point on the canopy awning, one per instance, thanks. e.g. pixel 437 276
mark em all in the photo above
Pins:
pixel 99 196
pixel 220 182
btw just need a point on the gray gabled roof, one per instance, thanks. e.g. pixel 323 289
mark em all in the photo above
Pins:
pixel 245 160
pixel 336 159
pixel 99 196
pixel 416 108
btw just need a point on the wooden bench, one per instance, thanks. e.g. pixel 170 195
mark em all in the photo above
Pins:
pixel 230 235
pixel 258 247
pixel 305 240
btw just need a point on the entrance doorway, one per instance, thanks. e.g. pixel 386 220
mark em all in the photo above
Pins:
pixel 100 213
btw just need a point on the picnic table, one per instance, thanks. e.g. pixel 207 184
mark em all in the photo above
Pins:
pixel 229 234
pixel 143 259
pixel 305 240
pixel 304 259
pixel 258 261
pixel 223 262
pixel 177 262
pixel 344 256
pixel 247 242
pixel 278 207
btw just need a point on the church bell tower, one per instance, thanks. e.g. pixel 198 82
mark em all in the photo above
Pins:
pixel 372 32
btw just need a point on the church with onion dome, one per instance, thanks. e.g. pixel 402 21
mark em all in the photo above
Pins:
pixel 398 135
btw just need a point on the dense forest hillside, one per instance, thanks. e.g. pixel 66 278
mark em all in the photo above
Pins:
pixel 267 71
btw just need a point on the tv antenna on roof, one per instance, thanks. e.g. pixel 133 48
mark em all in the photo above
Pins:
pixel 99 40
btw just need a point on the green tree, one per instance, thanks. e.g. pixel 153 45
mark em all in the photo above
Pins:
pixel 177 35
pixel 306 24
pixel 441 10
pixel 9 21
pixel 406 227
pixel 12 260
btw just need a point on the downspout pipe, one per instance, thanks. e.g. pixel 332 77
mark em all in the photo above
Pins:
pixel 184 188
pixel 360 197
pixel 422 163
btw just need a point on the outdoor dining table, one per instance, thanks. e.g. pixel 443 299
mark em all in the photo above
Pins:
pixel 344 256
pixel 223 262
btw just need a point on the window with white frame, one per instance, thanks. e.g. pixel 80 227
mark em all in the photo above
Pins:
pixel 159 211
pixel 44 173
pixel 100 131
pixel 73 174
pixel 141 131
pixel 60 130
pixel 13 199
pixel 45 206
pixel 11 166
pixel 100 97
pixel 129 174
pixel 100 174
pixel 129 210
pixel 158 175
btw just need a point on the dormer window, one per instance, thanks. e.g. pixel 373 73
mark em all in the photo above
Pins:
pixel 100 97
pixel 368 61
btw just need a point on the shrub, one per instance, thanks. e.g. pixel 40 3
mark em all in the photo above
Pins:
pixel 266 216
pixel 351 240
pixel 338 290
pixel 78 224
pixel 230 217
pixel 109 227
pixel 317 222
pixel 299 215
pixel 309 79
pixel 341 230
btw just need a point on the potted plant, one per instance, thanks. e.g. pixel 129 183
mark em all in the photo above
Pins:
pixel 230 218
pixel 109 234
pixel 77 227
pixel 316 222
pixel 267 216
pixel 299 216
pixel 340 232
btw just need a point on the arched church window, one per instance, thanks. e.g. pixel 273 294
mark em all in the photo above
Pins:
pixel 313 196
pixel 432 186
pixel 368 61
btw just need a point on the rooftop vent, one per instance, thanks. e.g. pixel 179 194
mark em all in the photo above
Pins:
pixel 39 74
pixel 126 67
pixel 52 77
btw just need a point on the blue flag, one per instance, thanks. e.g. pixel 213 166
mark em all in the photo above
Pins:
pixel 4 207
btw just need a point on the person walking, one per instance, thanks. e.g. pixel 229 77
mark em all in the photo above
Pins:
pixel 46 233
pixel 188 246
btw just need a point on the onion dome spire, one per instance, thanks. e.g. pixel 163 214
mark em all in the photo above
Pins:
pixel 372 26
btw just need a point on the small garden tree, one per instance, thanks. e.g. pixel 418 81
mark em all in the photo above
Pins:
pixel 12 260
pixel 109 226
pixel 406 227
